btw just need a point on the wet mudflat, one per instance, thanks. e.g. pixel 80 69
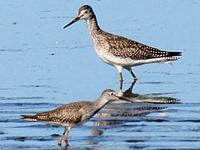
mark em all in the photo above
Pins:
pixel 43 66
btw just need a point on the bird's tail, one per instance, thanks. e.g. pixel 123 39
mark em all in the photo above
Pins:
pixel 171 54
pixel 29 117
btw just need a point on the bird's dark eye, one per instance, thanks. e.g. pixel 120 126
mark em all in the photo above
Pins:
pixel 111 93
pixel 86 11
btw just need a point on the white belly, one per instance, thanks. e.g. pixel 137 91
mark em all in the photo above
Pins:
pixel 113 60
pixel 103 56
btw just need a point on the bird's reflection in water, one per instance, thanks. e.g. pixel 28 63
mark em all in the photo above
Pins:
pixel 146 98
pixel 119 113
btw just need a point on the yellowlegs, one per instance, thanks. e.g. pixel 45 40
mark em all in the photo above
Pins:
pixel 74 114
pixel 120 51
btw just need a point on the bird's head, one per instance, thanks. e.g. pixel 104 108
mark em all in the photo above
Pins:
pixel 85 12
pixel 112 95
pixel 109 94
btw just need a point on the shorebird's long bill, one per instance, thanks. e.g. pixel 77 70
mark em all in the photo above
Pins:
pixel 73 21
pixel 125 99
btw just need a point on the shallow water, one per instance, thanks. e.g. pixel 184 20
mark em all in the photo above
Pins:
pixel 43 66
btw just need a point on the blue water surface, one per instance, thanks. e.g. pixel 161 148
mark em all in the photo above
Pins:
pixel 43 66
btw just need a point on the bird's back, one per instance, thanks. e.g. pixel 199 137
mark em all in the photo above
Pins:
pixel 113 48
pixel 68 114
pixel 126 48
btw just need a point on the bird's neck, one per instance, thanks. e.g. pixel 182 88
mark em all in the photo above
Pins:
pixel 100 103
pixel 93 25
pixel 97 106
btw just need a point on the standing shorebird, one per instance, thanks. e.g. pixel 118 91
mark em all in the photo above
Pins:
pixel 74 114
pixel 120 51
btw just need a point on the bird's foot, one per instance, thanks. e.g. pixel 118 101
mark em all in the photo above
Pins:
pixel 66 142
pixel 59 142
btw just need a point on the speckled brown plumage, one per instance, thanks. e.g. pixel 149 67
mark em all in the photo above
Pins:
pixel 69 113
pixel 73 114
pixel 119 51
pixel 125 48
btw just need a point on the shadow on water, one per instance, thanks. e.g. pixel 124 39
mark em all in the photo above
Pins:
pixel 119 117
pixel 32 80
pixel 146 98
pixel 122 115
pixel 137 123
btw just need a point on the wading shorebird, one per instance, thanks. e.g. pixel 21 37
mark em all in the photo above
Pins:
pixel 119 51
pixel 73 114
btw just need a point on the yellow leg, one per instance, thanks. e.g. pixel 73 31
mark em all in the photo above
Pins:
pixel 60 140
pixel 121 89
pixel 67 137
pixel 120 69
pixel 121 85
pixel 121 77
